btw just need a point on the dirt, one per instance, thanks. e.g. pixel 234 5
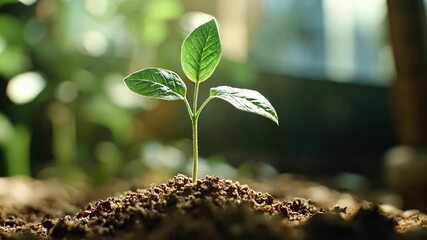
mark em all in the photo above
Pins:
pixel 212 208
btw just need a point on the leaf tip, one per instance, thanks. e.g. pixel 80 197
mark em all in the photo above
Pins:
pixel 214 21
pixel 274 118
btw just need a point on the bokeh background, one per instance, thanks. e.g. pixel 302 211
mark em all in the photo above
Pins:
pixel 346 77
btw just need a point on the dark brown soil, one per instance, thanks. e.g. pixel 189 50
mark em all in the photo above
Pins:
pixel 212 208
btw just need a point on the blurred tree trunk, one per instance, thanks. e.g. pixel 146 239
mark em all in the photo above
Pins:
pixel 409 91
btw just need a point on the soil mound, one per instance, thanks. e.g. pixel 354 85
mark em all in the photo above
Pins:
pixel 211 208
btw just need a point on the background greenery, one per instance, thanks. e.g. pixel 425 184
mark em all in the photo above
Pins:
pixel 65 113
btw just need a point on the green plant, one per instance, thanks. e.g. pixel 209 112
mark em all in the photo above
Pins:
pixel 200 54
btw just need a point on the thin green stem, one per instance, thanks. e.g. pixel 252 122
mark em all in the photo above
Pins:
pixel 196 95
pixel 195 150
pixel 194 119
pixel 202 106
pixel 188 108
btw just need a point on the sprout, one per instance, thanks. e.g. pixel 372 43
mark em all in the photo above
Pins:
pixel 200 54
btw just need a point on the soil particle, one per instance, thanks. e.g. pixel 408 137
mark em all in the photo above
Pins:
pixel 211 208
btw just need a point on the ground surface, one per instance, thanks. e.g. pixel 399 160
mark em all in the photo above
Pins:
pixel 212 208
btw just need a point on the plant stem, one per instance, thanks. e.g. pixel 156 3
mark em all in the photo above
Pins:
pixel 203 106
pixel 194 120
pixel 195 150
pixel 188 109
pixel 196 95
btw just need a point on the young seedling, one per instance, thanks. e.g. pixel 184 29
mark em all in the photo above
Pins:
pixel 200 54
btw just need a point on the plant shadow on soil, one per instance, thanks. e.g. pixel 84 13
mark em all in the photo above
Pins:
pixel 212 208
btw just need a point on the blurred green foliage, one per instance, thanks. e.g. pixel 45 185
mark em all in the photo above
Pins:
pixel 64 110
pixel 79 126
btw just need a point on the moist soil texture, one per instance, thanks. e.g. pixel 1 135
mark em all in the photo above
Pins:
pixel 211 208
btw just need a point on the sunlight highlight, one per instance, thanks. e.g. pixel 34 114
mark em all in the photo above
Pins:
pixel 96 7
pixel 28 2
pixel 191 20
pixel 24 87
pixel 339 39
pixel 95 43
pixel 346 23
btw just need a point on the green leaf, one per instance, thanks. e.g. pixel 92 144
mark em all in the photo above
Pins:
pixel 157 83
pixel 201 52
pixel 246 100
